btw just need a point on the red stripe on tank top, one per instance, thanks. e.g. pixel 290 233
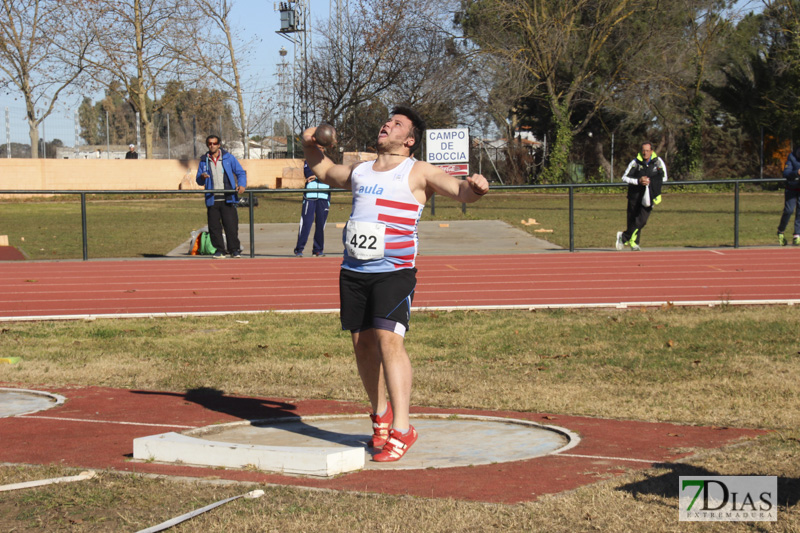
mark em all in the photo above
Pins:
pixel 397 220
pixel 395 231
pixel 396 245
pixel 396 205
pixel 404 265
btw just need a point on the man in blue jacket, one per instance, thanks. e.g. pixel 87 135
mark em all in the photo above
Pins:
pixel 316 204
pixel 218 171
pixel 792 198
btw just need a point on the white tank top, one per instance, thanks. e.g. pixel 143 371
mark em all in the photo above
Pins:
pixel 381 235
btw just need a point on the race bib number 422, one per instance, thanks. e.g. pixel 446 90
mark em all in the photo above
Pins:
pixel 365 240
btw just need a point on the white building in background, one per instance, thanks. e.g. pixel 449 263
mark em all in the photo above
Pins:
pixel 268 148
pixel 495 148
pixel 94 152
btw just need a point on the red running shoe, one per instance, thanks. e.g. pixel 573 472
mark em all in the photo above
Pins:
pixel 380 427
pixel 397 445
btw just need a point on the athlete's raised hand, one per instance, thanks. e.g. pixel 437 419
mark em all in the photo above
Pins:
pixel 478 184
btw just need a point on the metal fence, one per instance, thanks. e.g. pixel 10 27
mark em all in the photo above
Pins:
pixel 250 195
pixel 736 191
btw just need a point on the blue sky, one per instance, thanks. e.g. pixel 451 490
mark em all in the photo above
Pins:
pixel 257 22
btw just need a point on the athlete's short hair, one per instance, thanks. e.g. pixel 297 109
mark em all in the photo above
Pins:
pixel 418 125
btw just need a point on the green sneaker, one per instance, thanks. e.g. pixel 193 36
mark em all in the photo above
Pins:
pixel 796 240
pixel 782 239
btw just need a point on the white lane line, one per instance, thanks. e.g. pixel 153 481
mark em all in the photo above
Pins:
pixel 607 458
pixel 119 422
pixel 439 307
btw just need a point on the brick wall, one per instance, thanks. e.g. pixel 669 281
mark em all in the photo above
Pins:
pixel 134 174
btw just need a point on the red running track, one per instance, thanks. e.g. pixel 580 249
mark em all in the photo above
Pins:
pixel 95 428
pixel 198 285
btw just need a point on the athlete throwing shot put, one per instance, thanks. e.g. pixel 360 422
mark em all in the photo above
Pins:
pixel 378 274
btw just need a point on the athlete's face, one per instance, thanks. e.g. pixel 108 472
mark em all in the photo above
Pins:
pixel 396 133
pixel 647 151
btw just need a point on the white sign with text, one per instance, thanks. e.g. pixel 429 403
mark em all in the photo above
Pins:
pixel 447 146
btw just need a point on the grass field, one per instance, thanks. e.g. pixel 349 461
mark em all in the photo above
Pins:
pixel 726 366
pixel 723 366
pixel 151 227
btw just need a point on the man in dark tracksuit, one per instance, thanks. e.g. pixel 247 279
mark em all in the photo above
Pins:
pixel 644 177
pixel 315 205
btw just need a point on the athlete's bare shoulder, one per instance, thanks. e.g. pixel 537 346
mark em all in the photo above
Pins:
pixel 422 167
pixel 421 173
pixel 358 164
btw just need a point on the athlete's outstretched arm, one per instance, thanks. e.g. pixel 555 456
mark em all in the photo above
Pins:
pixel 324 169
pixel 465 191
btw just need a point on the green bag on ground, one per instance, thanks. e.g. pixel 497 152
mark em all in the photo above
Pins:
pixel 206 248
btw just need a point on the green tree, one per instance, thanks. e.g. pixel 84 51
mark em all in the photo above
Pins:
pixel 584 70
pixel 572 53
pixel 89 122
pixel 759 91
pixel 112 113
pixel 201 110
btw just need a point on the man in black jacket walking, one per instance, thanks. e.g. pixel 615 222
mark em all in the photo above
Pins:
pixel 644 177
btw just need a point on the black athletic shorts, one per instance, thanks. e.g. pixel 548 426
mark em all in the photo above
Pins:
pixel 377 299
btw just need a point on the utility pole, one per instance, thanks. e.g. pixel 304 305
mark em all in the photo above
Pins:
pixel 295 27
pixel 284 88
pixel 336 9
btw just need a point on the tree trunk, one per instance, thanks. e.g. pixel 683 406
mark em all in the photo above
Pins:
pixel 33 130
pixel 559 155
pixel 605 164
pixel 33 127
pixel 238 89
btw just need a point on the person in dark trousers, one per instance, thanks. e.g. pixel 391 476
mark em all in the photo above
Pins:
pixel 316 204
pixel 644 177
pixel 219 170
pixel 378 274
pixel 791 198
pixel 131 153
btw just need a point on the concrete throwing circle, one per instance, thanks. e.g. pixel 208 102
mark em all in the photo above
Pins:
pixel 15 402
pixel 445 440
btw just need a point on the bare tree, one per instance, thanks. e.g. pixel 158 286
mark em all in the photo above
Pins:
pixel 438 80
pixel 215 53
pixel 42 56
pixel 138 45
pixel 381 52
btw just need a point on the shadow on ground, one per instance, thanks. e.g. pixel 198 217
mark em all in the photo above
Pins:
pixel 666 485
pixel 260 412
